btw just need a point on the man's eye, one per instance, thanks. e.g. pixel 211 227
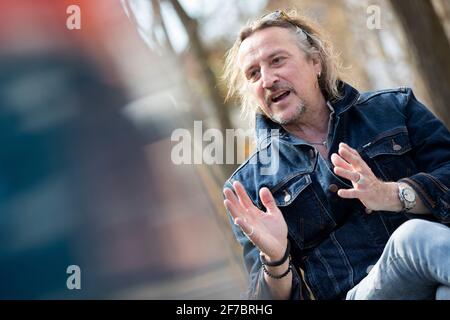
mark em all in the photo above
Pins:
pixel 277 60
pixel 253 75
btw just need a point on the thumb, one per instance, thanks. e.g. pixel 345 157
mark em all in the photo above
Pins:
pixel 267 199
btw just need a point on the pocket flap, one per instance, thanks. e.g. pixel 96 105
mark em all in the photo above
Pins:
pixel 286 192
pixel 389 144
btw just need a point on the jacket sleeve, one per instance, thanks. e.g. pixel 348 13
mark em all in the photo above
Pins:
pixel 431 152
pixel 258 288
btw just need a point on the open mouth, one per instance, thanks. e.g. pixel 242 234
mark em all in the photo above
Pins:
pixel 280 96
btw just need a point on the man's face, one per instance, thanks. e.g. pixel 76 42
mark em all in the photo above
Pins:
pixel 279 75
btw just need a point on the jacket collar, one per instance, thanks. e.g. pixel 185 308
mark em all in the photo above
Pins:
pixel 265 127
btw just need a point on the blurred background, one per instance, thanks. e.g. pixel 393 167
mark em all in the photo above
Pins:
pixel 90 94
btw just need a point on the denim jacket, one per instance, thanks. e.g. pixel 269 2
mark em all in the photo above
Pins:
pixel 334 241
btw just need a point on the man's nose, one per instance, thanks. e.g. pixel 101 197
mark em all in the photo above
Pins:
pixel 268 78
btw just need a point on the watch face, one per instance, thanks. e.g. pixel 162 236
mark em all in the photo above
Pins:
pixel 409 195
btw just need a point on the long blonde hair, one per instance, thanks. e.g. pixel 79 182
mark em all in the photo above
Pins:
pixel 310 40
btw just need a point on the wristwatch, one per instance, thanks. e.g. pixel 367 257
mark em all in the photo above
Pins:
pixel 407 196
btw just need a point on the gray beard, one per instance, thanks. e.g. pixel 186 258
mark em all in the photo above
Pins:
pixel 298 114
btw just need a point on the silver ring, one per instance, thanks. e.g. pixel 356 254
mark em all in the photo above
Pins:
pixel 361 179
pixel 251 233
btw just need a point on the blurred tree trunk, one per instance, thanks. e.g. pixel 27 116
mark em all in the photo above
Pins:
pixel 202 57
pixel 442 8
pixel 201 54
pixel 429 42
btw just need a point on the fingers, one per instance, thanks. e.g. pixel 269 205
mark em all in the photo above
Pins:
pixel 238 202
pixel 239 214
pixel 236 211
pixel 229 195
pixel 232 204
pixel 351 175
pixel 343 169
pixel 348 193
pixel 345 152
pixel 350 149
pixel 337 161
pixel 245 226
pixel 267 199
pixel 244 199
pixel 351 156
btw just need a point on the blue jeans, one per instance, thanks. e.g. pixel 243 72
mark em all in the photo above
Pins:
pixel 415 264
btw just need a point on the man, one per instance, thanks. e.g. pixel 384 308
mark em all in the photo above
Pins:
pixel 359 175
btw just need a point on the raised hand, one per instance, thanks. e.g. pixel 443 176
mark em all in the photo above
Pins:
pixel 371 191
pixel 267 230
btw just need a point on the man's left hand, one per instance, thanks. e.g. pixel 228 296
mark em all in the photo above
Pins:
pixel 371 191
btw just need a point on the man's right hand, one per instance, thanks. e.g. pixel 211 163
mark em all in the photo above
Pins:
pixel 267 230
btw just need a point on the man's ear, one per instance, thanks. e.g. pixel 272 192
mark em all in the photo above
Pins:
pixel 317 63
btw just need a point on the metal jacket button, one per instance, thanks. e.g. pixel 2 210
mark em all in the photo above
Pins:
pixel 395 146
pixel 287 197
pixel 333 188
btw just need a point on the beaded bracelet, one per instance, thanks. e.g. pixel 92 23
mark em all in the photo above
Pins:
pixel 284 274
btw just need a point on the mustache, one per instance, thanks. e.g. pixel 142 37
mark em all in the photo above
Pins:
pixel 276 87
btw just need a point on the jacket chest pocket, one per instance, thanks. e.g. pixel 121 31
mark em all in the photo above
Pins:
pixel 306 217
pixel 390 155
